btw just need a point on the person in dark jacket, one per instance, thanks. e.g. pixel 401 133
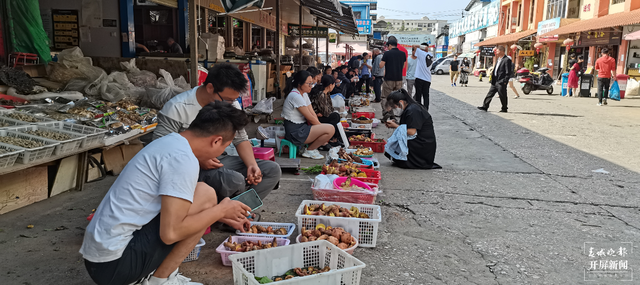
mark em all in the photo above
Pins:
pixel 502 72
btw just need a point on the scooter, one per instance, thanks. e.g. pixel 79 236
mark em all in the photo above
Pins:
pixel 539 80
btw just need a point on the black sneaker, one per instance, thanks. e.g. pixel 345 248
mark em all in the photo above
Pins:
pixel 482 108
pixel 503 111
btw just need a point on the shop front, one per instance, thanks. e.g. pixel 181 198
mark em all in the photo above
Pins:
pixel 631 35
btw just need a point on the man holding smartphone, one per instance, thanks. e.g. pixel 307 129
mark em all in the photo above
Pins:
pixel 156 211
pixel 228 175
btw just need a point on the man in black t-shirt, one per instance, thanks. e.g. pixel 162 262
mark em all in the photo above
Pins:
pixel 393 61
pixel 453 70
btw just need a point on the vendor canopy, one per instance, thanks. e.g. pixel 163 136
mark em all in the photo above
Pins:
pixel 340 19
pixel 608 21
pixel 505 39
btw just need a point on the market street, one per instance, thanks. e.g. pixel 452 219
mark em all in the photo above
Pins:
pixel 515 202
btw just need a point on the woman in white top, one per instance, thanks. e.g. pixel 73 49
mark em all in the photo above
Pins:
pixel 301 122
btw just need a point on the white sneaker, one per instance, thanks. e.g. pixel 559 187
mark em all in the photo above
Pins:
pixel 313 154
pixel 174 279
pixel 599 104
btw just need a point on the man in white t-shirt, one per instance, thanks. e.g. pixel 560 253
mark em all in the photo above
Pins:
pixel 423 74
pixel 156 211
pixel 228 175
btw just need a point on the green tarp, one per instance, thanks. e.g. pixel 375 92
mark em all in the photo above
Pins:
pixel 25 27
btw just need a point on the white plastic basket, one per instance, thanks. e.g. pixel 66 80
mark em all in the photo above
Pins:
pixel 365 230
pixel 195 253
pixel 11 123
pixel 30 155
pixel 345 269
pixel 66 146
pixel 289 226
pixel 225 253
pixel 40 120
pixel 94 136
pixel 9 158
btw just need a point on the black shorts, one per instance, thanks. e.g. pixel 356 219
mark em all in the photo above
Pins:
pixel 144 254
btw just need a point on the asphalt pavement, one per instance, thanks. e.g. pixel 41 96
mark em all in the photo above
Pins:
pixel 520 197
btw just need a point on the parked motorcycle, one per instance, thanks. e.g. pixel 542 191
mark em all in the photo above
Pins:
pixel 532 81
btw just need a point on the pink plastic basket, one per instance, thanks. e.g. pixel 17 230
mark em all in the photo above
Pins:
pixel 224 253
pixel 354 181
pixel 348 250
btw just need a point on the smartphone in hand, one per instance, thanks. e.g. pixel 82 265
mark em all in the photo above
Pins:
pixel 249 198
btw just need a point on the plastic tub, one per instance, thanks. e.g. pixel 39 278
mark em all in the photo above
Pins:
pixel 373 176
pixel 8 158
pixel 225 253
pixel 11 123
pixel 345 268
pixel 368 115
pixel 94 136
pixel 354 181
pixel 364 230
pixel 348 250
pixel 289 226
pixel 30 155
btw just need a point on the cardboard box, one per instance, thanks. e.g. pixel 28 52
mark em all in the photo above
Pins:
pixel 285 67
pixel 270 83
pixel 115 159
pixel 17 191
pixel 35 70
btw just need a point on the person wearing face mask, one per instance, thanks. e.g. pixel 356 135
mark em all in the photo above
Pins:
pixel 320 97
pixel 421 138
pixel 227 174
pixel 301 124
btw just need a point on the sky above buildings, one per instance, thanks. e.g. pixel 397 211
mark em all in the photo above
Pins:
pixel 416 9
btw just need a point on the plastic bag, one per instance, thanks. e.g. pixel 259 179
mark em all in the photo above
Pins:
pixel 338 102
pixel 165 90
pixel 76 84
pixel 139 78
pixel 614 91
pixel 265 106
pixel 182 83
pixel 633 88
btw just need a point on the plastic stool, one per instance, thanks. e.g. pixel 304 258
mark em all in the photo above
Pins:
pixel 264 153
pixel 293 149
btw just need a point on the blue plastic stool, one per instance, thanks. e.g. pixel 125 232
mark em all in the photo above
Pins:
pixel 293 149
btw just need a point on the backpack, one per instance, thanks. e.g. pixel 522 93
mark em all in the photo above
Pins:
pixel 429 60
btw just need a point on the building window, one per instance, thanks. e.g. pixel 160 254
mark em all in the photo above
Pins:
pixel 613 2
pixel 533 5
pixel 556 8
pixel 519 14
pixel 429 25
pixel 420 25
pixel 357 15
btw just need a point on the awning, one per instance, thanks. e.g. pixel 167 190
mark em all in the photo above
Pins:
pixel 608 21
pixel 632 36
pixel 168 3
pixel 339 49
pixel 468 55
pixel 510 38
pixel 326 11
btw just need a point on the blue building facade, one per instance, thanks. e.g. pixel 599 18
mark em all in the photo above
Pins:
pixel 362 13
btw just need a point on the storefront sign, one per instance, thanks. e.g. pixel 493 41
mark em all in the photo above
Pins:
pixel 526 53
pixel 548 25
pixel 599 37
pixel 333 37
pixel 65 28
pixel 364 27
pixel 407 40
pixel 231 6
pixel 487 16
pixel 487 51
pixel 308 31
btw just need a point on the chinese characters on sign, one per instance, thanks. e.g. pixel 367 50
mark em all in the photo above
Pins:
pixel 308 31
pixel 364 26
pixel 526 53
pixel 65 28
pixel 487 16
pixel 608 261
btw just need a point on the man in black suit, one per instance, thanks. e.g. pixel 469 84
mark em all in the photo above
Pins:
pixel 502 72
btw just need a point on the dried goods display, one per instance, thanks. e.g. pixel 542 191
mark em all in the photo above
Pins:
pixel 256 229
pixel 2 151
pixel 21 142
pixel 350 157
pixel 362 120
pixel 337 236
pixel 343 169
pixel 346 185
pixel 2 125
pixel 11 102
pixel 333 211
pixel 248 245
pixel 50 135
pixel 296 272
pixel 21 117
pixel 363 151
pixel 363 138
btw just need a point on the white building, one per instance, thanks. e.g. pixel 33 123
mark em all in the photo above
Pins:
pixel 424 24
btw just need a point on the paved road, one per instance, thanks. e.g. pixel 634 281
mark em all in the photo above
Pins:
pixel 514 203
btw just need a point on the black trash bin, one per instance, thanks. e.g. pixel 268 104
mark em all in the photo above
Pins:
pixel 586 81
